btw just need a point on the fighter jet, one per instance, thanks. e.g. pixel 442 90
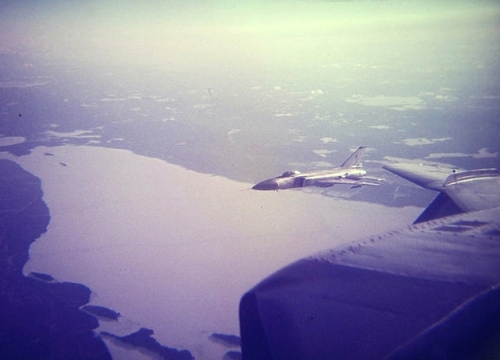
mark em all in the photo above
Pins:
pixel 349 173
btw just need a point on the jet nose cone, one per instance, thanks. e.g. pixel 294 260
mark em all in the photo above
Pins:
pixel 270 184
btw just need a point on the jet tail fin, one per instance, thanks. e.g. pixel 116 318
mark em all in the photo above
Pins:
pixel 354 159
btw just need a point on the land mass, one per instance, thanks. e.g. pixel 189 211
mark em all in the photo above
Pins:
pixel 39 318
pixel 143 339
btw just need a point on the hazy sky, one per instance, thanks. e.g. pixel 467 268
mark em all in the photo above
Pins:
pixel 258 36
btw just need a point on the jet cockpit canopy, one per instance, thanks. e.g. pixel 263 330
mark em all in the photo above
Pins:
pixel 290 173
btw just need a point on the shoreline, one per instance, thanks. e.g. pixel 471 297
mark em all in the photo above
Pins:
pixel 39 317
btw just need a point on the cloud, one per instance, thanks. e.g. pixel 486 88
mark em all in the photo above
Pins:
pixel 481 154
pixel 323 152
pixel 75 134
pixel 327 140
pixel 232 132
pixel 11 140
pixel 421 141
pixel 20 84
pixel 392 102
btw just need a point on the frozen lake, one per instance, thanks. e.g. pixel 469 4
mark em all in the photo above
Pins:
pixel 174 250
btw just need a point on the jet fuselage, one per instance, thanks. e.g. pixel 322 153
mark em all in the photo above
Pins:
pixel 295 179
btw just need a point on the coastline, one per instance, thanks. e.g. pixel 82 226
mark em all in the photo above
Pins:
pixel 39 317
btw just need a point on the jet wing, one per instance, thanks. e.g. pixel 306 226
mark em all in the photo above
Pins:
pixel 337 179
pixel 473 186
pixel 428 177
pixel 429 291
pixel 459 191
pixel 326 176
pixel 332 182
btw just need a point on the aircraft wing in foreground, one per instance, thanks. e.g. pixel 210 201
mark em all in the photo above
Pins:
pixel 429 291
pixel 458 191
pixel 349 173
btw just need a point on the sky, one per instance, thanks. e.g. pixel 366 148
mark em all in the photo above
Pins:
pixel 259 36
